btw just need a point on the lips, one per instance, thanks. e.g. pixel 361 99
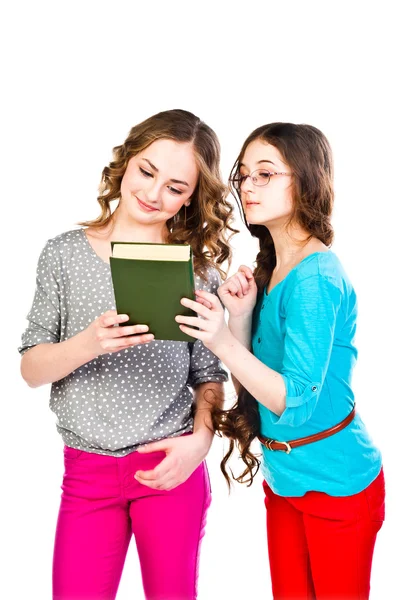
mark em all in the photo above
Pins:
pixel 145 206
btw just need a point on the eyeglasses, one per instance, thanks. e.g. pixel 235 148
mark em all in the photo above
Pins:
pixel 259 178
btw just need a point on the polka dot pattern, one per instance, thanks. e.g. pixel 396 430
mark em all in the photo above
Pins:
pixel 117 401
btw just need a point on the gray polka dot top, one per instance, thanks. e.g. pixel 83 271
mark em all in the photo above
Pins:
pixel 117 401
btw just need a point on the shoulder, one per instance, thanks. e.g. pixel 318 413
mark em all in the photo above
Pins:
pixel 320 277
pixel 322 268
pixel 212 283
pixel 57 252
pixel 62 244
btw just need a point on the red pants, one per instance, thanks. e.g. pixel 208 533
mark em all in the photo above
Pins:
pixel 321 546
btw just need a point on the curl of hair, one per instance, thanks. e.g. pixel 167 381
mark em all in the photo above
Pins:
pixel 206 223
pixel 307 152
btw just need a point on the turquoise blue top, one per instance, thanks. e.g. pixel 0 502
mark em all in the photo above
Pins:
pixel 304 329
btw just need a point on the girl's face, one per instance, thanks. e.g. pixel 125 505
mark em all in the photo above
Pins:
pixel 270 204
pixel 159 181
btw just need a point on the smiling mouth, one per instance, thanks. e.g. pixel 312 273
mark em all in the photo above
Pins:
pixel 146 206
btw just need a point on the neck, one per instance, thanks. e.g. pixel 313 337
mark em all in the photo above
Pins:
pixel 292 244
pixel 123 229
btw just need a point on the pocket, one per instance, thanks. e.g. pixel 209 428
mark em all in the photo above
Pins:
pixel 375 496
pixel 72 453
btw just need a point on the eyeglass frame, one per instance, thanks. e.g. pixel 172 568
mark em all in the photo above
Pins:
pixel 244 177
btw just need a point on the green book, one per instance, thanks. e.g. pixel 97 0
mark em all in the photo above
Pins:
pixel 149 282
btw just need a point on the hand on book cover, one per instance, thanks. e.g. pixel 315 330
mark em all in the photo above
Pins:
pixel 102 335
pixel 149 280
pixel 212 329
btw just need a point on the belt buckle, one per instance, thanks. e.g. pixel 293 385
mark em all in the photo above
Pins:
pixel 267 443
pixel 288 447
pixel 270 441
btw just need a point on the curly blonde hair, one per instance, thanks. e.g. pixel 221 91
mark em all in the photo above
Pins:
pixel 206 222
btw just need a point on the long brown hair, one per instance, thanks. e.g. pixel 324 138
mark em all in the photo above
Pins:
pixel 307 152
pixel 206 222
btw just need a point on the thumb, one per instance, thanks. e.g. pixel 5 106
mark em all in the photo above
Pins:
pixel 162 446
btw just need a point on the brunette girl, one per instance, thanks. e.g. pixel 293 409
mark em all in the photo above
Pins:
pixel 290 348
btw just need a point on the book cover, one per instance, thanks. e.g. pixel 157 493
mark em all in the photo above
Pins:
pixel 149 282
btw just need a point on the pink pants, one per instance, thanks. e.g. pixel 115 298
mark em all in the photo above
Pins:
pixel 102 505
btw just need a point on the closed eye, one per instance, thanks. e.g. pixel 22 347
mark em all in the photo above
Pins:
pixel 145 173
pixel 175 191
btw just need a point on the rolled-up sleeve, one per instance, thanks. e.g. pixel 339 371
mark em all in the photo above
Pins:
pixel 204 365
pixel 44 315
pixel 311 316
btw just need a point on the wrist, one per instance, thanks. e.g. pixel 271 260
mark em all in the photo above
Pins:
pixel 204 438
pixel 241 324
pixel 225 343
pixel 241 319
pixel 85 346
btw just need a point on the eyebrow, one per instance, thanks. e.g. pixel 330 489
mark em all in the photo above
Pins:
pixel 259 162
pixel 156 170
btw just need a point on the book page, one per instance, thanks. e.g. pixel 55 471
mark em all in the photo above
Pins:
pixel 152 251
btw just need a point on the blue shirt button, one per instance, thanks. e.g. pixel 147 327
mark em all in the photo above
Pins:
pixel 314 388
pixel 259 340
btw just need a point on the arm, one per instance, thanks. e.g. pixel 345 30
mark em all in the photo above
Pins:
pixel 310 322
pixel 46 363
pixel 264 384
pixel 240 327
pixel 206 396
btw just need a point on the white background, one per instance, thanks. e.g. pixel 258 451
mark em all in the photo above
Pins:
pixel 76 77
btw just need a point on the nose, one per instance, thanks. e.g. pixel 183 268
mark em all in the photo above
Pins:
pixel 153 192
pixel 247 185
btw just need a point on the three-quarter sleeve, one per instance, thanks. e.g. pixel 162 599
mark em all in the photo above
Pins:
pixel 204 365
pixel 311 316
pixel 44 315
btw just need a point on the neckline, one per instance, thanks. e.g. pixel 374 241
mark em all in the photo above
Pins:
pixel 92 250
pixel 268 294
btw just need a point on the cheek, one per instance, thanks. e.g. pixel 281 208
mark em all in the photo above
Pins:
pixel 127 184
pixel 172 205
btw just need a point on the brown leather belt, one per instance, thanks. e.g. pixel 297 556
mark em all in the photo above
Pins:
pixel 309 439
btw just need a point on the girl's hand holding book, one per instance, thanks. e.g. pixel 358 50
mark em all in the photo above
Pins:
pixel 213 331
pixel 104 337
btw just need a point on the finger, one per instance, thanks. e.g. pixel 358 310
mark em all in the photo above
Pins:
pixel 196 333
pixel 198 308
pixel 160 471
pixel 114 343
pixel 130 330
pixel 162 446
pixel 231 287
pixel 111 318
pixel 212 299
pixel 191 321
pixel 170 485
pixel 203 301
pixel 246 271
pixel 158 485
pixel 243 282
